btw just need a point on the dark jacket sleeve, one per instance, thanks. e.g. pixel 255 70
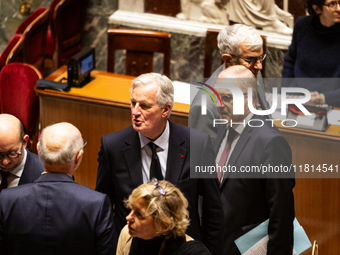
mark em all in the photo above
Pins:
pixel 291 55
pixel 104 183
pixel 280 198
pixel 32 169
pixel 212 211
pixel 2 234
pixel 105 231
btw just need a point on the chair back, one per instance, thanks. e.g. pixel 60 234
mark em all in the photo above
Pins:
pixel 67 19
pixel 140 46
pixel 34 30
pixel 13 52
pixel 211 47
pixel 17 95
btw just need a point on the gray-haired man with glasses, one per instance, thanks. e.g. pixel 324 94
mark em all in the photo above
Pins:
pixel 239 45
pixel 17 165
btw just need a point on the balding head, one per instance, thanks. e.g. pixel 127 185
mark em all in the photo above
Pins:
pixel 10 128
pixel 12 139
pixel 237 71
pixel 241 77
pixel 59 144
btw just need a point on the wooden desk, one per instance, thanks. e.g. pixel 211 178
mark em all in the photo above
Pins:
pixel 99 108
pixel 317 200
pixel 103 106
pixel 314 148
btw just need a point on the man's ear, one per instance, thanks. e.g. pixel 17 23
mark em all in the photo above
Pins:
pixel 166 110
pixel 226 59
pixel 38 144
pixel 79 156
pixel 316 9
pixel 25 141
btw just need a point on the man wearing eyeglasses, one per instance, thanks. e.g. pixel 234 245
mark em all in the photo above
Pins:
pixel 17 165
pixel 248 149
pixel 239 45
pixel 55 215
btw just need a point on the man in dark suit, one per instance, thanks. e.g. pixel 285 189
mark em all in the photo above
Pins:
pixel 239 45
pixel 126 158
pixel 249 143
pixel 55 215
pixel 17 165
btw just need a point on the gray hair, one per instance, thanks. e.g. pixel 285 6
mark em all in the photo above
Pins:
pixel 229 39
pixel 165 93
pixel 64 155
pixel 244 78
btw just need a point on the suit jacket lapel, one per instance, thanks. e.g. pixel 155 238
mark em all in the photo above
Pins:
pixel 133 160
pixel 241 143
pixel 177 155
pixel 25 178
pixel 221 132
pixel 212 80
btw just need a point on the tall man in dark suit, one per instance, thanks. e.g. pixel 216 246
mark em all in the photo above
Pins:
pixel 239 45
pixel 55 215
pixel 249 143
pixel 17 165
pixel 125 158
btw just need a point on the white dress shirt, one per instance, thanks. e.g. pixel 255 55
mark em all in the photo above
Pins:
pixel 162 152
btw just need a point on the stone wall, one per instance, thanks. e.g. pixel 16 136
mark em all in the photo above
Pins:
pixel 187 55
pixel 188 44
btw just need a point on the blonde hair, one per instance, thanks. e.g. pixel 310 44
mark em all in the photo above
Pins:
pixel 169 210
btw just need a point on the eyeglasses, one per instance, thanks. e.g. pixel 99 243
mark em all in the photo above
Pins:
pixel 82 147
pixel 332 5
pixel 85 142
pixel 228 99
pixel 12 154
pixel 252 60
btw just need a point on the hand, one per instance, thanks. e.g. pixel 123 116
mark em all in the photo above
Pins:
pixel 316 98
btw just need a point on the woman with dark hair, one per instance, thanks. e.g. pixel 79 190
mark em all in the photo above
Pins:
pixel 157 222
pixel 315 51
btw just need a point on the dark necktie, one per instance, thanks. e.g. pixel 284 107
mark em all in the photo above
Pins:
pixel 155 167
pixel 4 176
pixel 224 156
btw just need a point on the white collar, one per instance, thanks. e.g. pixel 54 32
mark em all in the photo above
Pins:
pixel 160 141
